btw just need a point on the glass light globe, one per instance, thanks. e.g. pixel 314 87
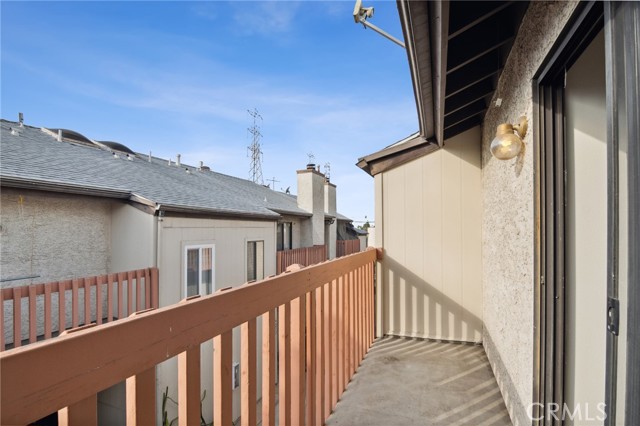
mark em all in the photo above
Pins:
pixel 506 145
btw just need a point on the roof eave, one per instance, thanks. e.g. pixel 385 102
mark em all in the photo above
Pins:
pixel 423 25
pixel 63 187
pixel 203 211
pixel 397 154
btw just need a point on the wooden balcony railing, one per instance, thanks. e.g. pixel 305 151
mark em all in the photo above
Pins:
pixel 325 327
pixel 32 315
pixel 304 256
pixel 345 247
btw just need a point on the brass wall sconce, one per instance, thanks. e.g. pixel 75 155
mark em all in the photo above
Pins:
pixel 508 141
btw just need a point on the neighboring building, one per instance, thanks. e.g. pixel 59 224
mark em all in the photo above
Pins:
pixel 532 256
pixel 74 207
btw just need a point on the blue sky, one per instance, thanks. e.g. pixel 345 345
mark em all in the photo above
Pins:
pixel 179 77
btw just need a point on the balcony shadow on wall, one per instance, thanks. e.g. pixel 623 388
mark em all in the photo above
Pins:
pixel 413 307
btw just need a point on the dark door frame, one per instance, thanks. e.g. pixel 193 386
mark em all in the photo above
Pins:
pixel 621 22
pixel 550 204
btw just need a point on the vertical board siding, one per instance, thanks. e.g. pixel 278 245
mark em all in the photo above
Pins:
pixel 34 308
pixel 305 256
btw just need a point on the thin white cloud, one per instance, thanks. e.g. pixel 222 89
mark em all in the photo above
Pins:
pixel 265 18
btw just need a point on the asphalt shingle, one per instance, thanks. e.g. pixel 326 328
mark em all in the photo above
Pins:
pixel 32 155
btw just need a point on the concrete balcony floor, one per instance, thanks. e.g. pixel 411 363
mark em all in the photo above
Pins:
pixel 419 382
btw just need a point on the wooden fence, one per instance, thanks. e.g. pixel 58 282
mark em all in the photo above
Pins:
pixel 325 327
pixel 41 311
pixel 304 256
pixel 345 247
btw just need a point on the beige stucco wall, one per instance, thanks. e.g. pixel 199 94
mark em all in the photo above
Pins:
pixel 508 214
pixel 230 239
pixel 428 218
pixel 54 236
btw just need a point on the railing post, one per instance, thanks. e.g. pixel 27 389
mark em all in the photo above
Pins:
pixel 82 413
pixel 154 288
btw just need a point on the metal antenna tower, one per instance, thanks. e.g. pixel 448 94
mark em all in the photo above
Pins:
pixel 254 150
pixel 327 171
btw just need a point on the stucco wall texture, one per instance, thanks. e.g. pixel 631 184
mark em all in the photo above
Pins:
pixel 54 236
pixel 508 214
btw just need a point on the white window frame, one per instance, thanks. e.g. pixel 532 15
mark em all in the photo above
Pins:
pixel 201 288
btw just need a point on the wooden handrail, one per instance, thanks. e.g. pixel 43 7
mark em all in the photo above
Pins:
pixel 46 376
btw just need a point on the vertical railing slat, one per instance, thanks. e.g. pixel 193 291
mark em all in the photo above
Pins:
pixel 82 413
pixel 130 293
pixel 222 401
pixel 340 360
pixel 33 321
pixel 75 309
pixel 87 300
pixel 268 368
pixel 2 345
pixel 47 311
pixel 17 317
pixel 139 288
pixel 352 329
pixel 154 288
pixel 147 288
pixel 334 342
pixel 99 283
pixel 62 303
pixel 358 317
pixel 297 361
pixel 120 295
pixel 310 358
pixel 319 381
pixel 327 348
pixel 110 279
pixel 141 398
pixel 248 365
pixel 284 365
pixel 189 387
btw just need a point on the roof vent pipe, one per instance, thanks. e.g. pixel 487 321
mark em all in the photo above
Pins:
pixel 149 156
pixel 201 164
pixel 178 160
pixel 21 119
pixel 59 135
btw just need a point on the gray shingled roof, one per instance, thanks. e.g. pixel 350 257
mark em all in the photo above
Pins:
pixel 29 157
